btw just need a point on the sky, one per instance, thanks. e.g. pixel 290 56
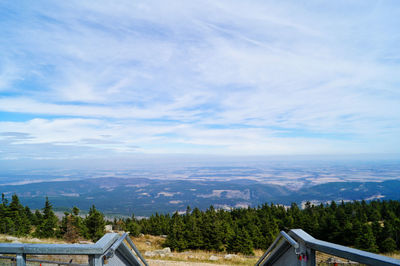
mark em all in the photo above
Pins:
pixel 97 79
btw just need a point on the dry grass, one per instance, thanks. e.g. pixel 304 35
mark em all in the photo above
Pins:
pixel 154 241
pixel 150 243
pixel 30 240
pixel 204 257
pixel 395 255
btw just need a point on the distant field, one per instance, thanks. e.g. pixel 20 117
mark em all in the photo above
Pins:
pixel 144 197
pixel 166 189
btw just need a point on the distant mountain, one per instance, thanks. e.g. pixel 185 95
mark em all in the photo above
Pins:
pixel 144 197
pixel 389 189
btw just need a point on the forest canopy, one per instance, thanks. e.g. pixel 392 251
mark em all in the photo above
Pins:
pixel 372 226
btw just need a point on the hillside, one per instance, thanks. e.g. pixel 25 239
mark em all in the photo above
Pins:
pixel 144 197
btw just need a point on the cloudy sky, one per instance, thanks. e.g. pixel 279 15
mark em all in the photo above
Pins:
pixel 102 78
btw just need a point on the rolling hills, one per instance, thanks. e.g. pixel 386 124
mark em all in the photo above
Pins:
pixel 143 197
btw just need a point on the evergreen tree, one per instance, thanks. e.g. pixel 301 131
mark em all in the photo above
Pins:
pixel 387 245
pixel 351 224
pixel 212 231
pixel 71 233
pixel 396 230
pixel 79 222
pixel 37 218
pixel 193 232
pixel 48 224
pixel 6 222
pixel 366 239
pixel 132 226
pixel 72 227
pixel 176 238
pixel 28 213
pixel 366 225
pixel 95 224
pixel 21 224
pixel 75 211
pixel 240 242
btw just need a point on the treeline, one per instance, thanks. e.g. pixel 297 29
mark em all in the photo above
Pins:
pixel 372 226
pixel 15 219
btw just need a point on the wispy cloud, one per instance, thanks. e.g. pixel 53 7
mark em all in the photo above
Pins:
pixel 225 77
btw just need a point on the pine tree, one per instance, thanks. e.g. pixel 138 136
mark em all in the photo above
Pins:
pixel 75 211
pixel 396 230
pixel 48 224
pixel 359 224
pixel 366 239
pixel 193 230
pixel 71 231
pixel 388 245
pixel 95 224
pixel 6 222
pixel 21 224
pixel 37 218
pixel 72 228
pixel 176 238
pixel 132 226
pixel 79 222
pixel 212 231
pixel 240 242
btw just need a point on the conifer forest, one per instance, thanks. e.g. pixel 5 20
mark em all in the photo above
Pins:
pixel 372 226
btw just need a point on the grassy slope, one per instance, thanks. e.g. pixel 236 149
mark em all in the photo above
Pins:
pixel 194 257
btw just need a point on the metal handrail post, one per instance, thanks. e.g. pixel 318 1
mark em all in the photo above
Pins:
pixel 269 249
pixel 287 238
pixel 21 259
pixel 95 260
pixel 133 246
pixel 290 240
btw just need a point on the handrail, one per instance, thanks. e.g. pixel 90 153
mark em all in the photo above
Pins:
pixel 117 243
pixel 286 237
pixel 45 261
pixel 103 249
pixel 133 246
pixel 61 249
pixel 290 240
pixel 343 251
pixel 308 245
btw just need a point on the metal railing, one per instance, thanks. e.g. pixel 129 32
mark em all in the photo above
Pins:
pixel 111 248
pixel 278 242
pixel 299 248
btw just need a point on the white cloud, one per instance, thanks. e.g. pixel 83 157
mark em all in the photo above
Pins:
pixel 217 76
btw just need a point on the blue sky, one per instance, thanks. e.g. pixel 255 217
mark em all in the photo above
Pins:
pixel 113 78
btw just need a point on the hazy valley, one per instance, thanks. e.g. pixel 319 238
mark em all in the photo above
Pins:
pixel 169 189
